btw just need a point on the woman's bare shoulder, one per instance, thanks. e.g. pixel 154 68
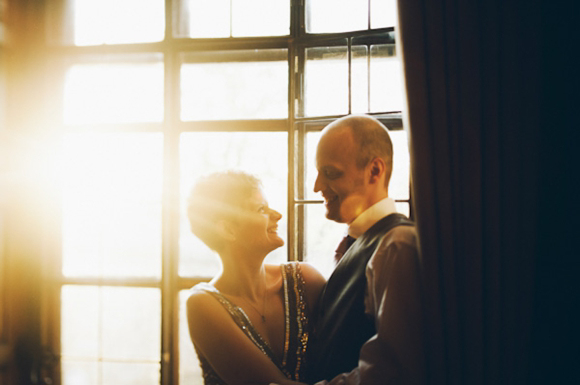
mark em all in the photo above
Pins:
pixel 311 274
pixel 202 306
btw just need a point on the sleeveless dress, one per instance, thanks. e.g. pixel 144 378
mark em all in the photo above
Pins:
pixel 296 329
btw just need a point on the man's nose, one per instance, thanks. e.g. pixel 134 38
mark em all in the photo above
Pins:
pixel 317 183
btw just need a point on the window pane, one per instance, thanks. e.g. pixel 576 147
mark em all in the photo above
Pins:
pixel 383 13
pixel 207 18
pixel 114 92
pixel 109 323
pixel 131 323
pixel 235 85
pixel 360 79
pixel 326 81
pixel 310 143
pixel 233 18
pixel 321 237
pixel 189 369
pixel 117 21
pixel 260 17
pixel 79 372
pixel 264 154
pixel 386 79
pixel 80 322
pixel 102 335
pixel 112 205
pixel 403 208
pixel 399 184
pixel 336 15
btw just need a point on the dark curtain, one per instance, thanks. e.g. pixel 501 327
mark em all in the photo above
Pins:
pixel 492 99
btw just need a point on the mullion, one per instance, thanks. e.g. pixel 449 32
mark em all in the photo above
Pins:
pixel 170 217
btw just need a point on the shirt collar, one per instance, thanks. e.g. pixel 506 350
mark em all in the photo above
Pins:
pixel 371 216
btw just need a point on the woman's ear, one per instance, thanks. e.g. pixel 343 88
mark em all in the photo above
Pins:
pixel 377 169
pixel 226 230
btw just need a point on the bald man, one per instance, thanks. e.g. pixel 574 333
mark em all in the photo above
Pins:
pixel 368 328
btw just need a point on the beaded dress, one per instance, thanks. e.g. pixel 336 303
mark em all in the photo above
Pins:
pixel 296 327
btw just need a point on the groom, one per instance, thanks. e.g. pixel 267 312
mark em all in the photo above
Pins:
pixel 368 328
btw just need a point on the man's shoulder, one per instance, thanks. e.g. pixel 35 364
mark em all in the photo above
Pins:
pixel 402 233
pixel 388 222
pixel 393 225
pixel 400 242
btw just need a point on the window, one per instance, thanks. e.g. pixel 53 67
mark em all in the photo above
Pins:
pixel 152 95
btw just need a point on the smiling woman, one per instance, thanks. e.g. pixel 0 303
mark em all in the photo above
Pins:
pixel 262 336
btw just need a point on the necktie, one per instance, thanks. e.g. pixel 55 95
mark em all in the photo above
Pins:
pixel 343 246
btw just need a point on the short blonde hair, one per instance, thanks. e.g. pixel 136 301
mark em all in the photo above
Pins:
pixel 215 197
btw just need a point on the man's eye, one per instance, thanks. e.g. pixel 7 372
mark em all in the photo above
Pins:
pixel 332 174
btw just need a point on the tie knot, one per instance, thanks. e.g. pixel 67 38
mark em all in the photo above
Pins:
pixel 343 246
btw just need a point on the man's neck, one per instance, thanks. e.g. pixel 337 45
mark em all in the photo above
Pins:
pixel 370 216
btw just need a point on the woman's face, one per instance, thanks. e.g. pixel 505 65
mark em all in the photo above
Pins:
pixel 258 224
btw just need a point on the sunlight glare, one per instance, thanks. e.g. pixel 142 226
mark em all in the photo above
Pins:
pixel 323 16
pixel 118 21
pixel 260 17
pixel 383 13
pixel 114 93
pixel 209 18
pixel 112 187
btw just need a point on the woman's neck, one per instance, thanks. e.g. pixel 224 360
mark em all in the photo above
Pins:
pixel 242 276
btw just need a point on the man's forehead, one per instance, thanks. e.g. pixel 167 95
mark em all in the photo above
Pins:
pixel 335 145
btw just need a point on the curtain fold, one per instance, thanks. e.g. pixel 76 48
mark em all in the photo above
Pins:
pixel 476 75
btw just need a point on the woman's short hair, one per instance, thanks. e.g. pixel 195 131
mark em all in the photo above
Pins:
pixel 215 197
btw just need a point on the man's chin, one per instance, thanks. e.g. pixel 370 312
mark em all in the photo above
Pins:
pixel 333 216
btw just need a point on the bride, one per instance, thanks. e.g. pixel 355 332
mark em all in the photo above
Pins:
pixel 250 323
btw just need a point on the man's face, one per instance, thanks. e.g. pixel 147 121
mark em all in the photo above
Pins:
pixel 341 183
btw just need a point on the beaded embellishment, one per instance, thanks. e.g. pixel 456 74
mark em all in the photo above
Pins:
pixel 295 329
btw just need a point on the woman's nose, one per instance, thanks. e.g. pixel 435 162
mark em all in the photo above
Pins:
pixel 275 215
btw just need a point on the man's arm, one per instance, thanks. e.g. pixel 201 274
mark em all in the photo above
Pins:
pixel 395 354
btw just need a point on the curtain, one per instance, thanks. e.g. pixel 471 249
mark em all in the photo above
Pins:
pixel 491 118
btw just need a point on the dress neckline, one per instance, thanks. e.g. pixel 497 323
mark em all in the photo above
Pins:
pixel 267 349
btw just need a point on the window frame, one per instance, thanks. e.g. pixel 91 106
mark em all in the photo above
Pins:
pixel 296 125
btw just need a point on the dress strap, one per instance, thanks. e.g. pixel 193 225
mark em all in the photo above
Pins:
pixel 240 318
pixel 297 327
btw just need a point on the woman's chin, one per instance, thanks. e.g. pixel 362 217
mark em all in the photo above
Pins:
pixel 277 242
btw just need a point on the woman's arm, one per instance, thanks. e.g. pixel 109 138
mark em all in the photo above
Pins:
pixel 234 357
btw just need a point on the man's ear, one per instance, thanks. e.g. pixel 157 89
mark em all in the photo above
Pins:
pixel 377 168
pixel 226 230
